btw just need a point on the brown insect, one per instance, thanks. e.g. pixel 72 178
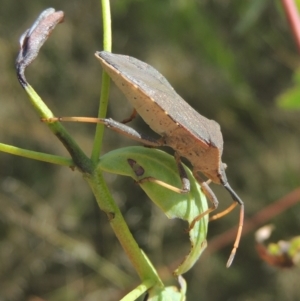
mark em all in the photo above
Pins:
pixel 190 134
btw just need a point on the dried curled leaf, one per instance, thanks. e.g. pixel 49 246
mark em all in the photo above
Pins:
pixel 34 38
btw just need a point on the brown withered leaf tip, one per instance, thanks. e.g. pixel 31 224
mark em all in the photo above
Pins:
pixel 33 39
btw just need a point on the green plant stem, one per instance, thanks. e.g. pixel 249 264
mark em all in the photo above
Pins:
pixel 107 36
pixel 138 291
pixel 107 45
pixel 107 204
pixel 94 176
pixel 79 158
pixel 105 201
pixel 101 114
pixel 36 155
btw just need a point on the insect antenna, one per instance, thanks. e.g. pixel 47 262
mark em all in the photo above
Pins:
pixel 237 199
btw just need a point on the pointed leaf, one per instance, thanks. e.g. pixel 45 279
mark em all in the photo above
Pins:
pixel 162 166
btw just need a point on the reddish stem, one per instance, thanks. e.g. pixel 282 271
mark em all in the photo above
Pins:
pixel 293 18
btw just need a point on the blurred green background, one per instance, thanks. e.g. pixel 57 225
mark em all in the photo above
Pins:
pixel 230 60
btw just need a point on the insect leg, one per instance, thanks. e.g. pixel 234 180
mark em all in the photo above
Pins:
pixel 113 125
pixel 185 188
pixel 131 117
pixel 210 195
pixel 237 199
pixel 224 212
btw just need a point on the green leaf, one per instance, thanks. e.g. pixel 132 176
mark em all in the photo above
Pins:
pixel 162 166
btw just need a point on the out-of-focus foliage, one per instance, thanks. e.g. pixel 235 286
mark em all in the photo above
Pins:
pixel 290 99
pixel 283 254
pixel 230 60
